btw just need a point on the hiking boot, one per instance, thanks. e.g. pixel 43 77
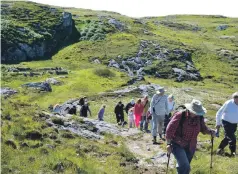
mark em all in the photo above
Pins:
pixel 160 135
pixel 233 154
pixel 220 151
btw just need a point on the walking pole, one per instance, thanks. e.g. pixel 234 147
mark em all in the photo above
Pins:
pixel 212 138
pixel 168 155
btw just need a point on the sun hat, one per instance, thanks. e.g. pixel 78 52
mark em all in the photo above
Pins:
pixel 171 96
pixel 196 107
pixel 161 90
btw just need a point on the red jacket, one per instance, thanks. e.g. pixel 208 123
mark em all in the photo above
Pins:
pixel 191 128
pixel 138 109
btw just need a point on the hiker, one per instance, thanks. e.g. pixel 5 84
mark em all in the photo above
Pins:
pixel 119 113
pixel 72 110
pixel 138 111
pixel 171 107
pixel 227 116
pixel 131 120
pixel 159 108
pixel 182 133
pixel 84 110
pixel 131 104
pixel 82 100
pixel 144 121
pixel 101 113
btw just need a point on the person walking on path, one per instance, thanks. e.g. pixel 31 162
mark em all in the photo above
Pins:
pixel 182 133
pixel 171 107
pixel 227 116
pixel 119 113
pixel 138 110
pixel 84 110
pixel 131 120
pixel 159 108
pixel 144 121
pixel 101 113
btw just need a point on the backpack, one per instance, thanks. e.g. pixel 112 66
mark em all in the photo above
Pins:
pixel 183 109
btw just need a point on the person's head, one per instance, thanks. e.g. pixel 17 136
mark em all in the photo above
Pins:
pixel 138 101
pixel 119 103
pixel 171 98
pixel 132 101
pixel 161 91
pixel 104 106
pixel 195 108
pixel 235 97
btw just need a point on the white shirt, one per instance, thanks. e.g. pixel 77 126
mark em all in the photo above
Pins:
pixel 171 106
pixel 228 112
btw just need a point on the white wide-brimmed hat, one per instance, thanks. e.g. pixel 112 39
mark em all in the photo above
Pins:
pixel 161 90
pixel 196 107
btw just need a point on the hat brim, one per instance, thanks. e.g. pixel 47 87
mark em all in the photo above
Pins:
pixel 201 113
pixel 158 92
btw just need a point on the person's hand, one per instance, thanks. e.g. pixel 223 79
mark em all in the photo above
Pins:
pixel 218 126
pixel 213 133
pixel 169 149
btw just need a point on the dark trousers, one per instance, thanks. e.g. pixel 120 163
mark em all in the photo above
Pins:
pixel 166 122
pixel 183 157
pixel 230 137
pixel 120 118
pixel 144 123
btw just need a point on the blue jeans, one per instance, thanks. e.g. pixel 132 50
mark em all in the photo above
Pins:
pixel 183 157
pixel 144 123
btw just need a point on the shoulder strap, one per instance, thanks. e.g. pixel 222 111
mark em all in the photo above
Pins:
pixel 182 121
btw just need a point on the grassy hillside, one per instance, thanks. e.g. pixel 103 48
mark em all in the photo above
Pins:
pixel 213 51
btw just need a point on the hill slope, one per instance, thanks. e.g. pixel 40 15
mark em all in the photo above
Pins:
pixel 95 55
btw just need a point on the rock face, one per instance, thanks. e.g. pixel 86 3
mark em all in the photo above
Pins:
pixel 38 41
pixel 7 92
pixel 144 62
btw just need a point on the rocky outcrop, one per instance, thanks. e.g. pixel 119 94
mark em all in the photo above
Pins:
pixel 6 92
pixel 38 41
pixel 144 63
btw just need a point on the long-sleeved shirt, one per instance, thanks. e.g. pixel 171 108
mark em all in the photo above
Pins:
pixel 128 106
pixel 146 105
pixel 228 112
pixel 101 113
pixel 160 103
pixel 189 130
pixel 119 110
pixel 171 106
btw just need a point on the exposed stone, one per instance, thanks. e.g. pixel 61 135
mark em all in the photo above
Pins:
pixel 222 27
pixel 53 81
pixel 43 86
pixel 7 92
pixel 120 26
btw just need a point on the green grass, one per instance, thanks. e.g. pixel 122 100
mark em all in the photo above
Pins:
pixel 79 155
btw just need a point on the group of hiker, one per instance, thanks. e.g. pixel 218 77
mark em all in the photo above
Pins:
pixel 178 128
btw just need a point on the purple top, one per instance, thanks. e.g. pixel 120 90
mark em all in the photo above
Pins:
pixel 101 113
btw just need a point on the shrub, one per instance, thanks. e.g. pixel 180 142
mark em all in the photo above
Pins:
pixel 103 72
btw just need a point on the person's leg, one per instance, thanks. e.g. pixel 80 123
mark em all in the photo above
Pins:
pixel 166 122
pixel 118 118
pixel 225 140
pixel 142 123
pixel 232 138
pixel 154 125
pixel 183 163
pixel 145 124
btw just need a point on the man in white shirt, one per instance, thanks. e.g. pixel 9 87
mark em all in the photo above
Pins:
pixel 227 116
pixel 158 109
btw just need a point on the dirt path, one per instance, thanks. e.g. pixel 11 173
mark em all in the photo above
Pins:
pixel 152 158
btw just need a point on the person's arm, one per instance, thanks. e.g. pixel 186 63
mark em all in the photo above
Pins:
pixel 204 129
pixel 219 114
pixel 89 112
pixel 127 108
pixel 115 110
pixel 173 126
pixel 166 107
pixel 151 104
